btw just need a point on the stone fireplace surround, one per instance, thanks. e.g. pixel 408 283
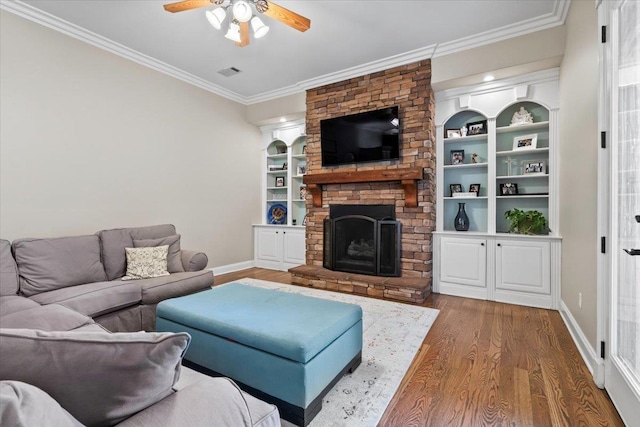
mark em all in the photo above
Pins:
pixel 408 87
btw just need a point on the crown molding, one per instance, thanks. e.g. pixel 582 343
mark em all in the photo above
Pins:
pixel 550 20
pixel 43 18
pixel 555 18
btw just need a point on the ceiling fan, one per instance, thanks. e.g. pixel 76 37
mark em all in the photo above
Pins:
pixel 241 15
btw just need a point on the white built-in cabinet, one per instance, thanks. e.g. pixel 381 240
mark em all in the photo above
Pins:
pixel 488 262
pixel 279 248
pixel 279 240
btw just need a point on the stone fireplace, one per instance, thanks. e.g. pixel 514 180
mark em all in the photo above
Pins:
pixel 362 239
pixel 406 185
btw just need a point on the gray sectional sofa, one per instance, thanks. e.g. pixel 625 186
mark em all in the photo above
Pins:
pixel 67 317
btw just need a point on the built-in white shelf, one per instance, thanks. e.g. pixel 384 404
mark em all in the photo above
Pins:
pixel 522 152
pixel 468 138
pixel 524 196
pixel 299 156
pixel 466 198
pixel 529 126
pixel 277 156
pixel 277 172
pixel 531 175
pixel 298 176
pixel 277 188
pixel 466 165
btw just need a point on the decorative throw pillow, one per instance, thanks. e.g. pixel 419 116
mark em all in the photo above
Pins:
pixel 99 377
pixel 174 257
pixel 23 405
pixel 145 263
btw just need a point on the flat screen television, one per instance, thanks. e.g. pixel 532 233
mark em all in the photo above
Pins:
pixel 372 136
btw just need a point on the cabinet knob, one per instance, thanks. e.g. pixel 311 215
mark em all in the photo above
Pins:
pixel 481 244
pixel 277 232
pixel 499 244
pixel 284 232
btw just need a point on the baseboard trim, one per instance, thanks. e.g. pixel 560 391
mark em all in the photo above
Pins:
pixel 230 268
pixel 594 363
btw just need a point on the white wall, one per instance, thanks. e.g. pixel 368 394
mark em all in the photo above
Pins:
pixel 579 164
pixel 541 50
pixel 291 107
pixel 89 140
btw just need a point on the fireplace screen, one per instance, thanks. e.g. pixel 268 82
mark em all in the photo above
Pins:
pixel 361 244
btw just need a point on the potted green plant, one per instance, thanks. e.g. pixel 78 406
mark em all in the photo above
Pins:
pixel 526 222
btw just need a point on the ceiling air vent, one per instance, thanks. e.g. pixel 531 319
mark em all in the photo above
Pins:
pixel 228 72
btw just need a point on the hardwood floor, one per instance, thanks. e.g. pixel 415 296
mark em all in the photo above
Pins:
pixel 490 364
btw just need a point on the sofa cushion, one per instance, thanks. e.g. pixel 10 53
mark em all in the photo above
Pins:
pixel 211 402
pixel 100 378
pixel 46 318
pixel 146 263
pixel 175 285
pixel 174 260
pixel 48 264
pixel 113 242
pixel 93 299
pixel 13 303
pixel 23 405
pixel 194 261
pixel 9 270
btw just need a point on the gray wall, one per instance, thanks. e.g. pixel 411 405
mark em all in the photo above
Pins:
pixel 90 140
pixel 579 165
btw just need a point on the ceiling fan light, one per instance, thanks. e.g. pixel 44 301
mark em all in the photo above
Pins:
pixel 242 11
pixel 233 33
pixel 216 17
pixel 259 29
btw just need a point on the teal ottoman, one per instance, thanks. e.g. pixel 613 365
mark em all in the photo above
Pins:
pixel 284 348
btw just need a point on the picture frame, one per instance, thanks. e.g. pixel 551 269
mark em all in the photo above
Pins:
pixel 455 188
pixel 281 149
pixel 453 133
pixel 304 149
pixel 477 128
pixel 534 167
pixel 508 189
pixel 280 181
pixel 303 193
pixel 525 142
pixel 474 188
pixel 457 157
pixel 302 170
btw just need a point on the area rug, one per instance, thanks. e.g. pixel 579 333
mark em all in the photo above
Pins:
pixel 393 333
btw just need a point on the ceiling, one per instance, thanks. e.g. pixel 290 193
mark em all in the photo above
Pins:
pixel 346 39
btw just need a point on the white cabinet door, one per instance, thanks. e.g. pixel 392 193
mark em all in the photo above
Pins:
pixel 294 247
pixel 463 261
pixel 523 266
pixel 269 244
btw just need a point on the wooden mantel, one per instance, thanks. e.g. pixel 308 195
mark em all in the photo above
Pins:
pixel 409 178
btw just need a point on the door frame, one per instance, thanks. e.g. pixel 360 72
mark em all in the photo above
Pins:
pixel 604 376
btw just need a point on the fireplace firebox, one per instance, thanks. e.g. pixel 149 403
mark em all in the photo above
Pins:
pixel 362 239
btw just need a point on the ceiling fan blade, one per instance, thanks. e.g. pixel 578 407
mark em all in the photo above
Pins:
pixel 244 34
pixel 287 17
pixel 187 5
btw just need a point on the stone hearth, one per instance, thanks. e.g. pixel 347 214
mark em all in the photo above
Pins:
pixel 395 288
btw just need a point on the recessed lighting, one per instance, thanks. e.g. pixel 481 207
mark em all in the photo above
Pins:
pixel 488 78
pixel 282 119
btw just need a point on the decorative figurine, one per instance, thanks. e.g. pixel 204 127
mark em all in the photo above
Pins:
pixel 474 158
pixel 463 131
pixel 521 117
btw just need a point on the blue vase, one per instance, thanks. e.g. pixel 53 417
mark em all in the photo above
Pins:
pixel 462 220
